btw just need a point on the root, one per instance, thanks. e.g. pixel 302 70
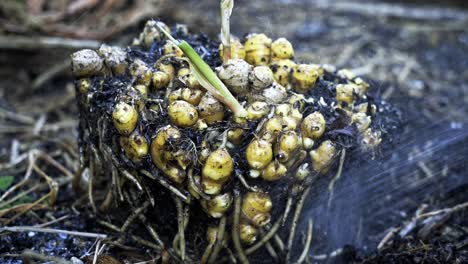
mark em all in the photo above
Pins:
pixel 166 184
pixel 287 210
pixel 134 216
pixel 271 251
pixel 195 186
pixel 235 230
pixel 180 237
pixel 131 178
pixel 279 242
pixel 116 183
pixel 91 172
pixel 151 230
pixel 207 253
pixel 337 177
pixel 297 214
pixel 109 198
pixel 245 184
pixel 265 238
pixel 305 252
pixel 219 240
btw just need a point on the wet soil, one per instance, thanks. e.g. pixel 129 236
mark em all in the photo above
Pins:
pixel 418 65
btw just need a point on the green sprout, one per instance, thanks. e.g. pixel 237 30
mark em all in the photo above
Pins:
pixel 207 78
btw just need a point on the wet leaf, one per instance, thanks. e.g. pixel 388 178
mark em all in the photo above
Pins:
pixel 341 120
pixel 347 131
pixel 5 182
pixel 24 200
pixel 21 201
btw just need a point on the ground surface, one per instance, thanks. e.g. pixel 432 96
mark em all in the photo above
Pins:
pixel 416 56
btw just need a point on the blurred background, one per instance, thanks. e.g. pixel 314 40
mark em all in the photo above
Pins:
pixel 414 52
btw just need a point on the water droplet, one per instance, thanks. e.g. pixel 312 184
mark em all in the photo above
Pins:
pixel 31 234
pixel 456 125
pixel 76 260
pixel 50 245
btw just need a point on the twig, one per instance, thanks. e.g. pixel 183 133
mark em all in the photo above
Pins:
pixel 96 251
pixel 433 223
pixel 19 196
pixel 53 185
pixel 403 75
pixel 37 187
pixel 454 209
pixel 14 150
pixel 20 229
pixel 350 50
pixel 28 207
pixel 27 120
pixel 427 171
pixel 38 43
pixel 29 254
pixel 13 163
pixel 411 225
pixel 49 74
pixel 91 172
pixel 39 124
pixel 109 225
pixel 387 237
pixel 67 124
pixel 31 158
pixel 53 221
pixel 393 10
pixel 139 239
pixel 80 6
pixel 56 164
pixel 145 242
pixel 332 254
